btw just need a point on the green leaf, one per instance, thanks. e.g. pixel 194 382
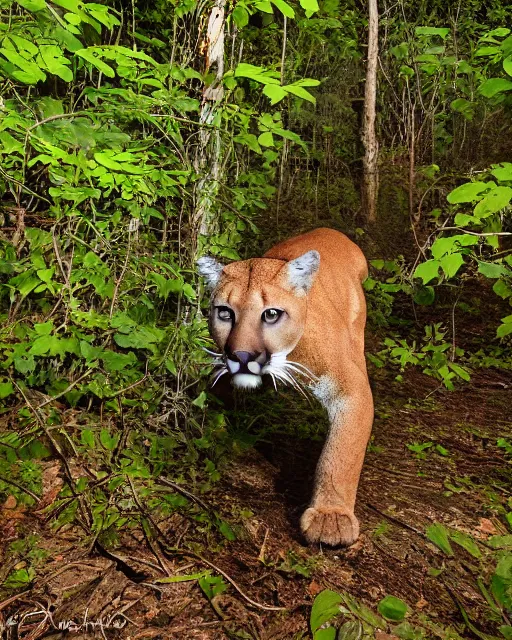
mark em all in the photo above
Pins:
pixel 504 330
pixel 466 542
pixel 326 606
pixel 452 244
pixel 325 634
pixel 200 400
pixel 460 371
pixel 494 86
pixel 442 32
pixel 284 8
pixel 300 92
pixel 507 65
pixel 451 263
pixel 6 389
pixel 249 140
pixel 494 201
pixel 427 271
pixel 503 172
pixel 212 586
pixel 108 441
pixel 266 139
pixel 87 438
pixel 32 5
pixel 240 16
pixel 275 92
pixel 89 56
pixel 502 289
pixel 425 296
pixel 310 7
pixel 468 192
pixel 180 578
pixel 438 534
pixel 392 608
pixel 492 269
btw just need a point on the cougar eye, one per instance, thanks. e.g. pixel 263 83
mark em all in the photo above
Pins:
pixel 225 314
pixel 271 316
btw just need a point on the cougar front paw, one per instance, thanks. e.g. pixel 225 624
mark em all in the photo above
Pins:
pixel 329 525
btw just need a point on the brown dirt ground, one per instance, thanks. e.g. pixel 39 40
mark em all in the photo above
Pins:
pixel 399 497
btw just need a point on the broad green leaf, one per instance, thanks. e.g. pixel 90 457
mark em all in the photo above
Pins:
pixel 451 263
pixel 504 330
pixel 310 7
pixel 240 16
pixel 487 50
pixel 452 244
pixel 492 269
pixel 108 441
pixel 259 74
pixel 460 371
pixel 461 105
pixel 325 634
pixel 494 86
pixel 275 92
pixel 6 389
pixel 284 8
pixel 500 542
pixel 494 201
pixel 466 542
pixel 392 608
pixel 326 606
pixel 266 139
pixel 89 56
pixel 503 172
pixel 200 400
pixel 468 192
pixel 249 140
pixel 463 220
pixel 44 328
pixel 507 65
pixel 212 586
pixel 442 32
pixel 87 438
pixel 425 296
pixel 264 5
pixel 32 5
pixel 502 289
pixel 300 92
pixel 438 534
pixel 427 271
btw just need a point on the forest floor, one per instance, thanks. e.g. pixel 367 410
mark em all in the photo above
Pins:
pixel 462 479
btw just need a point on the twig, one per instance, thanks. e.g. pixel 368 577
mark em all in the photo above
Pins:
pixel 184 492
pixel 258 605
pixel 397 521
pixel 18 486
pixel 123 271
pixel 63 393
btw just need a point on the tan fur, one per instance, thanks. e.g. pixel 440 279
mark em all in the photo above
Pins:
pixel 323 330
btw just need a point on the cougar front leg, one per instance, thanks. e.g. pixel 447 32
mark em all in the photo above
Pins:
pixel 330 517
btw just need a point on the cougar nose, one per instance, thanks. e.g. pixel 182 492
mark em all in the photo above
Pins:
pixel 243 357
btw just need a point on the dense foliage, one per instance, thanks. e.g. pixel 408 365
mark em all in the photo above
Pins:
pixel 124 156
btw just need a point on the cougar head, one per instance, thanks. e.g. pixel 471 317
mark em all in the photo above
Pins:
pixel 257 315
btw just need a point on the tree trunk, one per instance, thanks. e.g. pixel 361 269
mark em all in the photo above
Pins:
pixel 371 155
pixel 209 153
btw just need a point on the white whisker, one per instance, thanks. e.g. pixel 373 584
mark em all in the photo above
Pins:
pixel 301 366
pixel 212 353
pixel 219 375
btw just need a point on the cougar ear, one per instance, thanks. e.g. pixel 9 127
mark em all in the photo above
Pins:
pixel 211 270
pixel 302 271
